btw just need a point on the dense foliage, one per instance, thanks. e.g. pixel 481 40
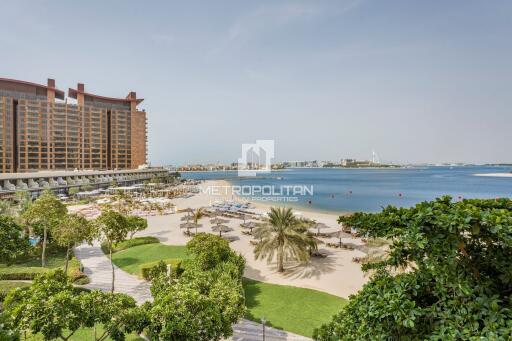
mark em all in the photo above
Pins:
pixel 205 300
pixel 136 224
pixel 13 242
pixel 56 310
pixel 72 230
pixel 457 278
pixel 43 216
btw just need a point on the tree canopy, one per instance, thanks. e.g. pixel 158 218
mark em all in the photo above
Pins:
pixel 44 215
pixel 73 229
pixel 52 307
pixel 456 282
pixel 136 224
pixel 113 227
pixel 13 242
pixel 205 300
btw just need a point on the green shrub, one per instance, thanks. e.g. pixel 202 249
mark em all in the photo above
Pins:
pixel 149 270
pixel 6 286
pixel 21 273
pixel 129 243
pixel 28 273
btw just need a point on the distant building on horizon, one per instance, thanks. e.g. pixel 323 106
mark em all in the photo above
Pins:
pixel 39 133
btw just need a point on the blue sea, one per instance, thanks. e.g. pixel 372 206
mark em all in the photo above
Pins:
pixel 349 190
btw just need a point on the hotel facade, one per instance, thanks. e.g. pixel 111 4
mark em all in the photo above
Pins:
pixel 41 131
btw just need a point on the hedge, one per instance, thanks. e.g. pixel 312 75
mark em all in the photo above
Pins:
pixel 6 286
pixel 28 273
pixel 149 270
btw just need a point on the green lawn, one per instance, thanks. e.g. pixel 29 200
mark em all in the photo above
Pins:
pixel 133 258
pixel 293 309
pixel 30 266
pixel 6 286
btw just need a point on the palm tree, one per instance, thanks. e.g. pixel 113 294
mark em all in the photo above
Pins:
pixel 198 214
pixel 282 236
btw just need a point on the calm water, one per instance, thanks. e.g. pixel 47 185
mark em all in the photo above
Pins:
pixel 370 189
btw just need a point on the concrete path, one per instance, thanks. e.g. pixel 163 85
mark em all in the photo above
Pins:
pixel 97 268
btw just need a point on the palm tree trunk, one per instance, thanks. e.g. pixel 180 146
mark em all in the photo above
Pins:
pixel 112 264
pixel 67 261
pixel 43 255
pixel 280 260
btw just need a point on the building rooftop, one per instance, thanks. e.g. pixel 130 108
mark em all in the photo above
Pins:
pixel 29 87
pixel 73 93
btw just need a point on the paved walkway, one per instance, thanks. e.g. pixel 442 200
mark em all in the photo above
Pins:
pixel 97 268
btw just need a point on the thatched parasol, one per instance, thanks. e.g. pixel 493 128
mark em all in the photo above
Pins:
pixel 219 221
pixel 221 229
pixel 249 225
pixel 189 226
pixel 318 227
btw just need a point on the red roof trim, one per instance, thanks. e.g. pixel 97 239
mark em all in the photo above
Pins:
pixel 73 93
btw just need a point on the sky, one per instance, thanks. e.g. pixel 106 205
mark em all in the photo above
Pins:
pixel 416 81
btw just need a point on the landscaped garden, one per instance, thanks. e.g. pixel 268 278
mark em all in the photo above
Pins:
pixel 29 266
pixel 293 309
pixel 133 259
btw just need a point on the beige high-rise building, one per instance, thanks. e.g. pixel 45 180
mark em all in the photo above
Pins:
pixel 39 132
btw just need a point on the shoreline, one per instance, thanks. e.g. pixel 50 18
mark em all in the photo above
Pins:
pixel 337 274
pixel 266 205
pixel 496 175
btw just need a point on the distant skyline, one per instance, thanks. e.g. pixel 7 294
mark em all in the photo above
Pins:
pixel 416 81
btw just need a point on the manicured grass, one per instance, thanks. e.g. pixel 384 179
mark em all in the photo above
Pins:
pixel 293 309
pixel 30 266
pixel 6 286
pixel 131 260
pixel 130 243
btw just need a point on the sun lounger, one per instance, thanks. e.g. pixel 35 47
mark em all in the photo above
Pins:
pixel 318 254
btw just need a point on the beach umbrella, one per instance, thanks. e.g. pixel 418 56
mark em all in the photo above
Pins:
pixel 221 229
pixel 219 221
pixel 318 227
pixel 189 226
pixel 244 217
pixel 341 235
pixel 249 225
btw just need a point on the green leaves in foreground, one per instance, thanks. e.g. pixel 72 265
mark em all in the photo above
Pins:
pixel 201 303
pixel 52 307
pixel 205 300
pixel 457 282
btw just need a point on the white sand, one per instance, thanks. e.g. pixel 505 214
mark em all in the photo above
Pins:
pixel 499 175
pixel 336 274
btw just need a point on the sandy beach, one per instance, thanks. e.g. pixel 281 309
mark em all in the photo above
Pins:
pixel 336 274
